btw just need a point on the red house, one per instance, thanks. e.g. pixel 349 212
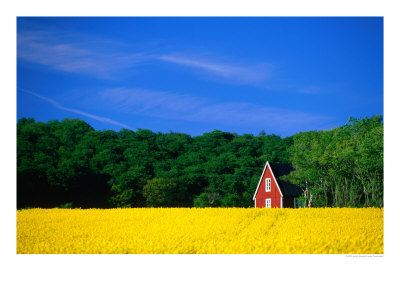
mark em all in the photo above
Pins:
pixel 273 192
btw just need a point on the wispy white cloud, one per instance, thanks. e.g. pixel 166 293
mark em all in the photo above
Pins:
pixel 249 74
pixel 76 111
pixel 74 53
pixel 69 56
pixel 186 107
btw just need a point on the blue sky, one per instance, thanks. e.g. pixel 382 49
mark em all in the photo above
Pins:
pixel 194 75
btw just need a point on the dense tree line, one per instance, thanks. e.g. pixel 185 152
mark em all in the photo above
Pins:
pixel 69 164
pixel 340 167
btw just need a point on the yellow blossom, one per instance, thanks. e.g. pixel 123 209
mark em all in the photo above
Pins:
pixel 201 230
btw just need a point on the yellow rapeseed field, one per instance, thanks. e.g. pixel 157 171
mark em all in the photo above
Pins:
pixel 201 230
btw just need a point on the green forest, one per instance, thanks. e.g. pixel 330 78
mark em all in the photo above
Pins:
pixel 69 164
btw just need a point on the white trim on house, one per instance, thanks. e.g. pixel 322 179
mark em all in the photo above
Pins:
pixel 276 181
pixel 259 182
pixel 281 202
pixel 268 186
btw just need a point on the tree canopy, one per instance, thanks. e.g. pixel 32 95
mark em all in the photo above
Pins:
pixel 340 167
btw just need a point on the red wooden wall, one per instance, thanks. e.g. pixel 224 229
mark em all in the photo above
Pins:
pixel 274 194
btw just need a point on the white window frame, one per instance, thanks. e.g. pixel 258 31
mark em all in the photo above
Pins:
pixel 267 184
pixel 268 202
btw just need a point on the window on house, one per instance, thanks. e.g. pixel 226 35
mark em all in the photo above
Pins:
pixel 268 202
pixel 268 184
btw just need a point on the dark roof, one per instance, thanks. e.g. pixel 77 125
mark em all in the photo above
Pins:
pixel 287 188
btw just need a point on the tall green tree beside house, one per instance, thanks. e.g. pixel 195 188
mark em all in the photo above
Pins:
pixel 340 167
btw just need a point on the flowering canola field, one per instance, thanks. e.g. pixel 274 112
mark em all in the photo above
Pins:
pixel 201 230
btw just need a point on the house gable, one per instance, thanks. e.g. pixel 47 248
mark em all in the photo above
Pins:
pixel 262 177
pixel 275 194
